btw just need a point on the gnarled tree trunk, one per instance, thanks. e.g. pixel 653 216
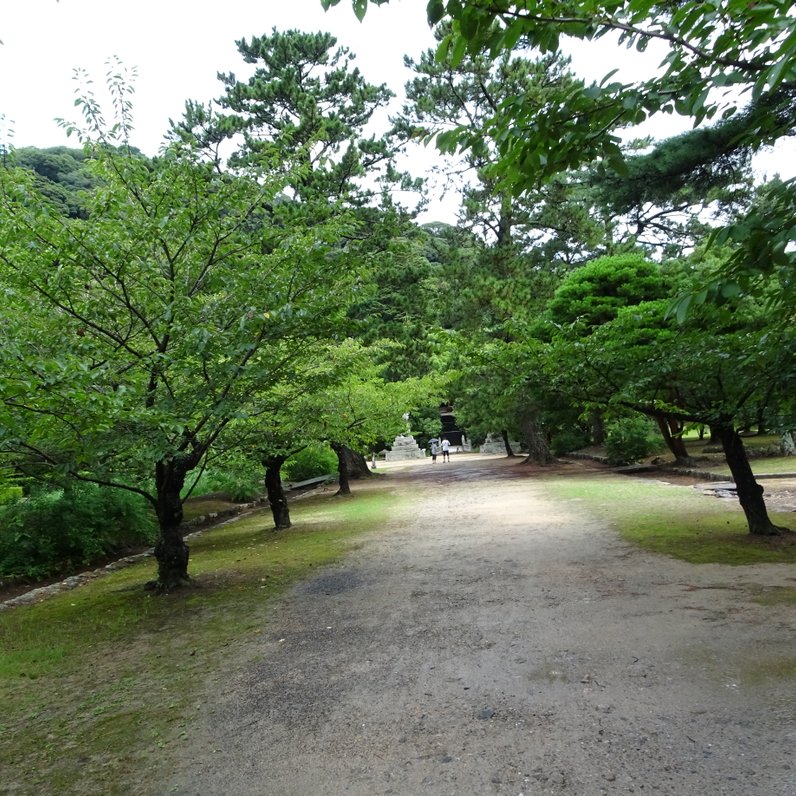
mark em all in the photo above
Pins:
pixel 276 493
pixel 171 552
pixel 536 439
pixel 750 493
pixel 356 464
pixel 342 468
pixel 672 431
pixel 505 435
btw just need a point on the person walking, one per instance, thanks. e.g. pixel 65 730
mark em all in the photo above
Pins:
pixel 446 451
pixel 433 445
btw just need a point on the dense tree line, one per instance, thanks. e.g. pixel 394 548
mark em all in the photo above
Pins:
pixel 195 309
pixel 256 288
pixel 693 328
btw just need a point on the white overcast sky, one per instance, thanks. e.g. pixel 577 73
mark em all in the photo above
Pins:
pixel 178 46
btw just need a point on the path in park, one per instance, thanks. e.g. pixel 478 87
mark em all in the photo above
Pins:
pixel 492 641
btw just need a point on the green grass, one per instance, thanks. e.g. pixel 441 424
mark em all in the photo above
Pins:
pixel 768 464
pixel 97 681
pixel 676 521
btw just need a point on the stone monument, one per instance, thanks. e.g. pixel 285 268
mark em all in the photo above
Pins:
pixel 403 448
pixel 490 445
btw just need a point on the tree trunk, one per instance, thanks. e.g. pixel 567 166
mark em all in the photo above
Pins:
pixel 505 435
pixel 356 464
pixel 538 449
pixel 598 428
pixel 750 493
pixel 342 468
pixel 276 493
pixel 171 552
pixel 762 426
pixel 672 431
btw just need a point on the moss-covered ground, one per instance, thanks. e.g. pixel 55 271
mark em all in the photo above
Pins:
pixel 94 682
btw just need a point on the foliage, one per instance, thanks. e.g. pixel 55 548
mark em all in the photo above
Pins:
pixel 236 476
pixel 10 494
pixel 630 439
pixel 311 462
pixel 594 293
pixel 62 175
pixel 709 48
pixel 568 440
pixel 55 531
pixel 761 259
pixel 718 56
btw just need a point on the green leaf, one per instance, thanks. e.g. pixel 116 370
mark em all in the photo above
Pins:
pixel 360 8
pixel 459 50
pixel 435 10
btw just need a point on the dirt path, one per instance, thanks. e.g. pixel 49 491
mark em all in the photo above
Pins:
pixel 489 641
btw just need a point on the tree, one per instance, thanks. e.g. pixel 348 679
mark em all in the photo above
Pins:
pixel 303 111
pixel 62 176
pixel 717 368
pixel 519 245
pixel 527 241
pixel 153 326
pixel 593 296
pixel 361 407
pixel 747 47
pixel 716 54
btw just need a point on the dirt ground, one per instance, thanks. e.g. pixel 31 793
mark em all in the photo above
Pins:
pixel 491 641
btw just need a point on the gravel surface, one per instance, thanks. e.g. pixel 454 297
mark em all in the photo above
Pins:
pixel 492 641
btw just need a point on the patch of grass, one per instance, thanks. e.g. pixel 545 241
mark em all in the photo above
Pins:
pixel 676 520
pixel 764 670
pixel 766 464
pixel 781 595
pixel 97 681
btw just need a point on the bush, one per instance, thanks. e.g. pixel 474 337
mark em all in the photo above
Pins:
pixel 238 478
pixel 238 486
pixel 629 439
pixel 59 530
pixel 311 462
pixel 10 494
pixel 571 439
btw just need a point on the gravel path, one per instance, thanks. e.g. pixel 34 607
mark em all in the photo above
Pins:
pixel 492 641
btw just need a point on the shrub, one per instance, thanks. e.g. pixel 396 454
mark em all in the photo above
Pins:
pixel 10 494
pixel 569 440
pixel 59 530
pixel 313 461
pixel 629 439
pixel 238 478
pixel 239 485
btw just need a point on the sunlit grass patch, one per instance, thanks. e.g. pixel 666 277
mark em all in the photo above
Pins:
pixel 676 520
pixel 768 464
pixel 96 681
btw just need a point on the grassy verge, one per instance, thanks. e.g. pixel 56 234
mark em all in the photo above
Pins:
pixel 768 464
pixel 96 682
pixel 676 520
